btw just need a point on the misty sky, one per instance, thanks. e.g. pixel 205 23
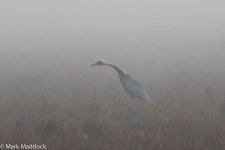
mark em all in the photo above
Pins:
pixel 102 26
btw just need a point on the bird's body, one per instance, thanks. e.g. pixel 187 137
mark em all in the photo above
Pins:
pixel 132 87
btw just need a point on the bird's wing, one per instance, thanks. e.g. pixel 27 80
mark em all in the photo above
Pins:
pixel 134 88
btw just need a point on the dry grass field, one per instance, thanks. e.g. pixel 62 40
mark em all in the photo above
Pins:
pixel 74 107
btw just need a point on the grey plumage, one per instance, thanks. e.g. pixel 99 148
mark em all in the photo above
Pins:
pixel 132 87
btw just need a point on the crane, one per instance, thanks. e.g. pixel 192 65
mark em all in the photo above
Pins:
pixel 132 87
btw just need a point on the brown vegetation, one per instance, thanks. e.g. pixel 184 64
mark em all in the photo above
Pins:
pixel 67 107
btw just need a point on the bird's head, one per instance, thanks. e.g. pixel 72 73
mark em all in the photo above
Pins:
pixel 98 63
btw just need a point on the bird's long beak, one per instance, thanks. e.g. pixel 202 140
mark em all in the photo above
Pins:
pixel 93 65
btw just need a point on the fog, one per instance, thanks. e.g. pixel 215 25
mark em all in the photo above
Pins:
pixel 111 29
pixel 174 48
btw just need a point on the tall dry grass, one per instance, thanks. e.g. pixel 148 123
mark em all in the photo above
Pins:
pixel 74 107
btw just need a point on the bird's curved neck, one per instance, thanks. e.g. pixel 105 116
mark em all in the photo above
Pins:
pixel 119 70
